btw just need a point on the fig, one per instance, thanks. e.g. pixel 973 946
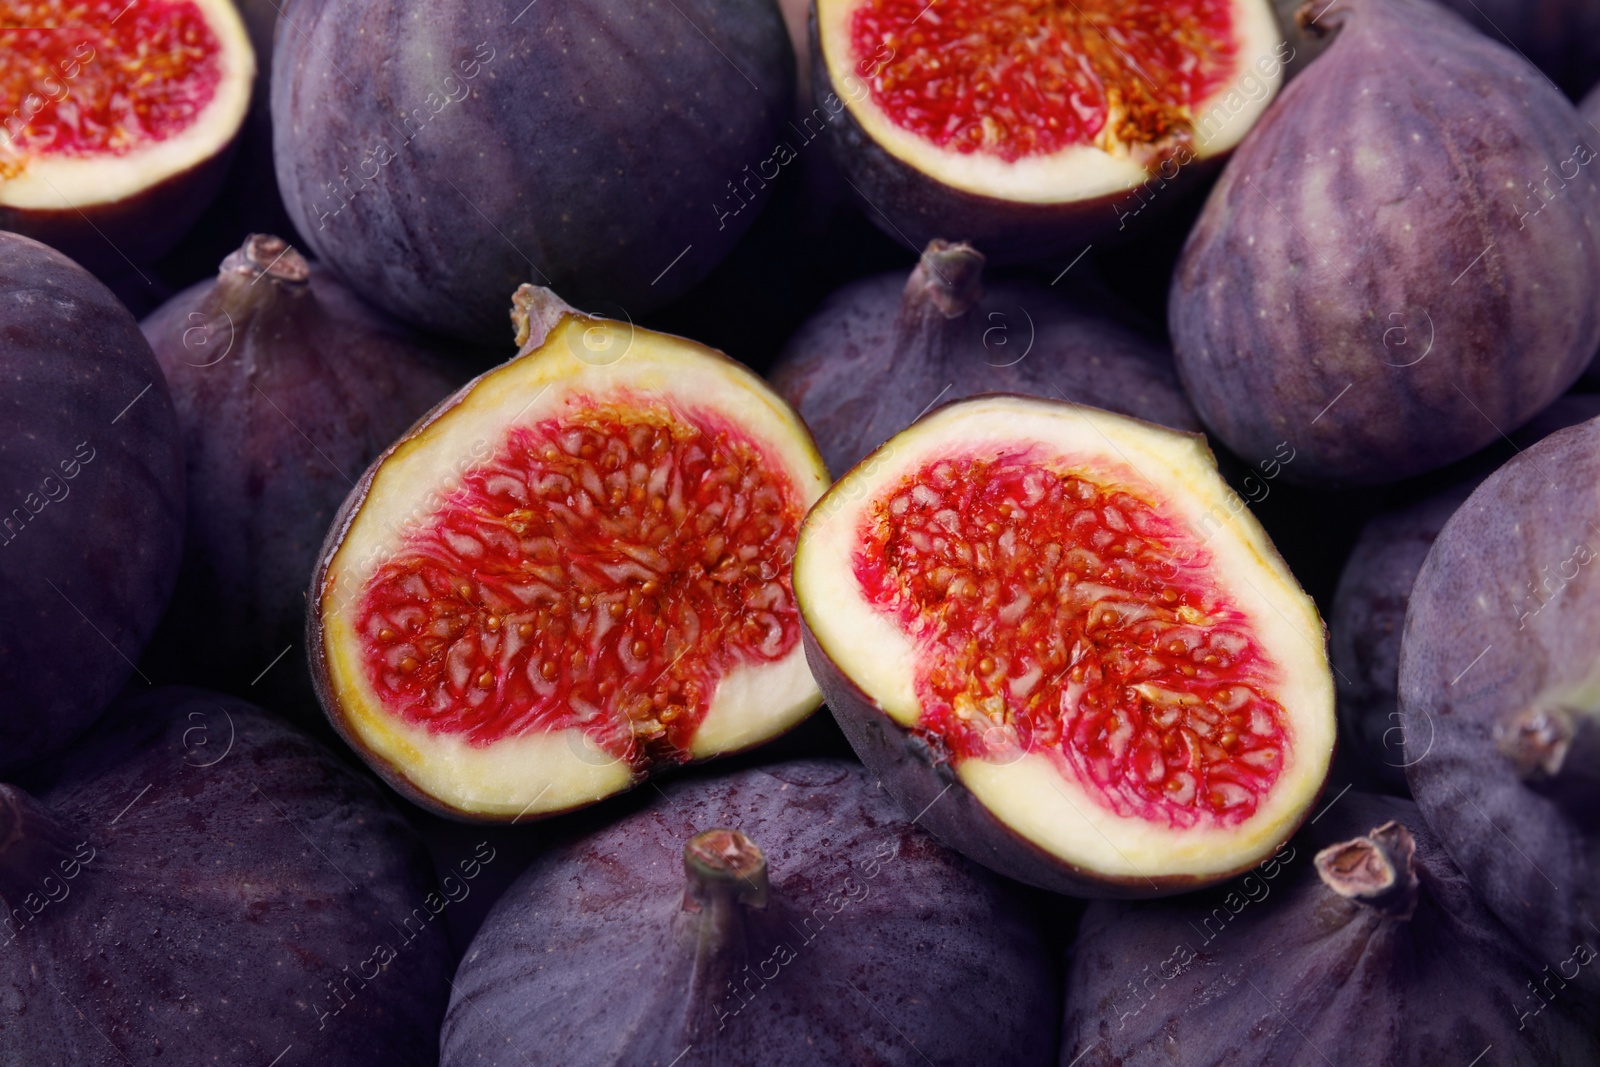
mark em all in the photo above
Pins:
pixel 287 387
pixel 1369 607
pixel 201 881
pixel 612 151
pixel 572 571
pixel 117 120
pixel 1358 942
pixel 1559 36
pixel 882 350
pixel 1498 695
pixel 1059 636
pixel 1026 129
pixel 93 507
pixel 784 915
pixel 1305 306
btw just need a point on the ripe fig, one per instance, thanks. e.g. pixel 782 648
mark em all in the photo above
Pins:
pixel 1025 129
pixel 1399 264
pixel 117 120
pixel 199 882
pixel 882 351
pixel 611 150
pixel 1372 949
pixel 574 570
pixel 1369 607
pixel 287 387
pixel 1060 637
pixel 785 915
pixel 1498 695
pixel 92 524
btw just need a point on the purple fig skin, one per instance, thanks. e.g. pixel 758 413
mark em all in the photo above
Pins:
pixel 1502 624
pixel 1369 607
pixel 460 149
pixel 1372 278
pixel 883 350
pixel 1312 977
pixel 92 511
pixel 286 387
pixel 862 941
pixel 205 884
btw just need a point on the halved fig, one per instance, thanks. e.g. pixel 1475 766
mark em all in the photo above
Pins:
pixel 1060 637
pixel 116 120
pixel 1023 127
pixel 573 571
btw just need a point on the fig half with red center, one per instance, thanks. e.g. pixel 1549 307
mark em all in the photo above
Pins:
pixel 1025 127
pixel 574 570
pixel 116 120
pixel 1057 634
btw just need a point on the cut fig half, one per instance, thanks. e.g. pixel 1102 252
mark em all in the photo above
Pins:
pixel 1057 635
pixel 1022 127
pixel 117 119
pixel 573 571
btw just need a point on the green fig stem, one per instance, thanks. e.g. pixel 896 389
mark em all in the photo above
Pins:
pixel 1377 871
pixel 36 844
pixel 724 865
pixel 1555 750
pixel 726 876
pixel 535 311
pixel 263 271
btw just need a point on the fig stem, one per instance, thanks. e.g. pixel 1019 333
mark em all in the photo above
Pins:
pixel 948 277
pixel 1377 871
pixel 724 865
pixel 36 844
pixel 1555 750
pixel 254 278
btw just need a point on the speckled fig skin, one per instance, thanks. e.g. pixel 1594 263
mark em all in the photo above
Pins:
pixel 1372 277
pixel 240 895
pixel 1502 625
pixel 1279 968
pixel 580 147
pixel 1369 607
pixel 91 503
pixel 874 945
pixel 883 350
pixel 286 387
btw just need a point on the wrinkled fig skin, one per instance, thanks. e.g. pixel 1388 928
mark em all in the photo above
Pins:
pixel 455 114
pixel 1278 969
pixel 91 500
pixel 1306 278
pixel 1560 37
pixel 923 781
pixel 1503 620
pixel 875 944
pixel 883 350
pixel 242 896
pixel 1369 607
pixel 287 387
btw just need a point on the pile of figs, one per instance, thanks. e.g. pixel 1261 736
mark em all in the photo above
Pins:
pixel 800 532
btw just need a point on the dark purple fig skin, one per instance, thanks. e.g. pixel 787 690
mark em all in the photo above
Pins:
pixel 1560 37
pixel 883 350
pixel 898 951
pixel 1369 607
pixel 1504 617
pixel 245 896
pixel 1358 283
pixel 1279 969
pixel 581 147
pixel 91 513
pixel 286 387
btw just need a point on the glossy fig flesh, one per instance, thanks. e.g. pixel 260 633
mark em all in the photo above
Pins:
pixel 117 120
pixel 287 387
pixel 1358 942
pixel 883 350
pixel 199 882
pixel 1499 699
pixel 574 570
pixel 785 915
pixel 1057 634
pixel 1027 128
pixel 91 512
pixel 1399 264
